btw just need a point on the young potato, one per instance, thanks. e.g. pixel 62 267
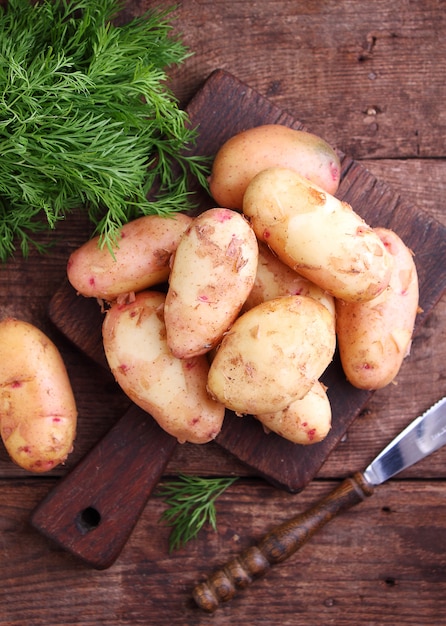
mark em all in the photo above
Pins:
pixel 38 413
pixel 246 154
pixel 305 421
pixel 317 235
pixel 275 279
pixel 374 337
pixel 140 260
pixel 272 355
pixel 213 271
pixel 172 390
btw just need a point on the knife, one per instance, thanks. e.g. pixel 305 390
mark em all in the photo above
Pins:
pixel 422 437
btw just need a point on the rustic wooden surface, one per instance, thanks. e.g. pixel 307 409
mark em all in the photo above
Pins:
pixel 369 77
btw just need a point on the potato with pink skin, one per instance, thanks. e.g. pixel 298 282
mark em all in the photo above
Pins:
pixel 272 355
pixel 305 421
pixel 38 413
pixel 317 235
pixel 249 152
pixel 140 259
pixel 172 390
pixel 374 337
pixel 275 279
pixel 213 271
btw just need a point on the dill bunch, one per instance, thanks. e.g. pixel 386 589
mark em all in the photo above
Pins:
pixel 190 505
pixel 86 119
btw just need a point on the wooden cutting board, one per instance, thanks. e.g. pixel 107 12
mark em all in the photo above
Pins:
pixel 221 108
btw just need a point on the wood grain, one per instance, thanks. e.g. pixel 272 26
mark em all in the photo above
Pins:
pixel 93 510
pixel 372 565
pixel 369 78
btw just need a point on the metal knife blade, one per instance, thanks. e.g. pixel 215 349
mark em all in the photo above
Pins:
pixel 423 436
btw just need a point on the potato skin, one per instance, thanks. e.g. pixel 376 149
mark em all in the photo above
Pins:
pixel 246 154
pixel 305 421
pixel 172 390
pixel 272 355
pixel 213 270
pixel 38 414
pixel 141 259
pixel 274 279
pixel 317 235
pixel 374 337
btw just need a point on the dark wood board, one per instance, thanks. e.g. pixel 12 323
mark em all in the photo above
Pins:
pixel 223 107
pixel 92 511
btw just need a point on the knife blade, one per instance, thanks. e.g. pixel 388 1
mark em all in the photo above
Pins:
pixel 426 434
pixel 423 436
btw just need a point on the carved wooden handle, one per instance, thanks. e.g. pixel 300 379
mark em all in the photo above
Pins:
pixel 279 544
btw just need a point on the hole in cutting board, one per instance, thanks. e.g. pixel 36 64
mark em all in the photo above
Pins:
pixel 88 519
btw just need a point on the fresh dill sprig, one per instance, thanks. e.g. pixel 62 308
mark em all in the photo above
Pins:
pixel 86 119
pixel 191 504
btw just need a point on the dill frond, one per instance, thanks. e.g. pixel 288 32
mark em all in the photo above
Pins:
pixel 191 505
pixel 86 119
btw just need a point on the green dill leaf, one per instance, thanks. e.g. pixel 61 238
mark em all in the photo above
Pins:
pixel 190 504
pixel 86 119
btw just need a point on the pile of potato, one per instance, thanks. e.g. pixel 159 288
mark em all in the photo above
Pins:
pixel 242 307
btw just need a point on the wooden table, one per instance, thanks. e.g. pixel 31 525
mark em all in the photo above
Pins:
pixel 369 78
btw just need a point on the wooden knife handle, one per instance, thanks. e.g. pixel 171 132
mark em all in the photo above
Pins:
pixel 92 510
pixel 279 544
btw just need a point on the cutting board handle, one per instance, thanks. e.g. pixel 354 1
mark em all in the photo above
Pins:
pixel 279 544
pixel 92 511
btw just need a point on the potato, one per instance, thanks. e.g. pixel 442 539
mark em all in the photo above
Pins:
pixel 38 413
pixel 275 279
pixel 246 154
pixel 140 260
pixel 172 390
pixel 374 337
pixel 272 355
pixel 317 235
pixel 213 271
pixel 304 421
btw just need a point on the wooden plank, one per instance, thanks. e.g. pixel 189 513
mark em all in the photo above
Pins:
pixel 419 180
pixel 368 77
pixel 382 562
